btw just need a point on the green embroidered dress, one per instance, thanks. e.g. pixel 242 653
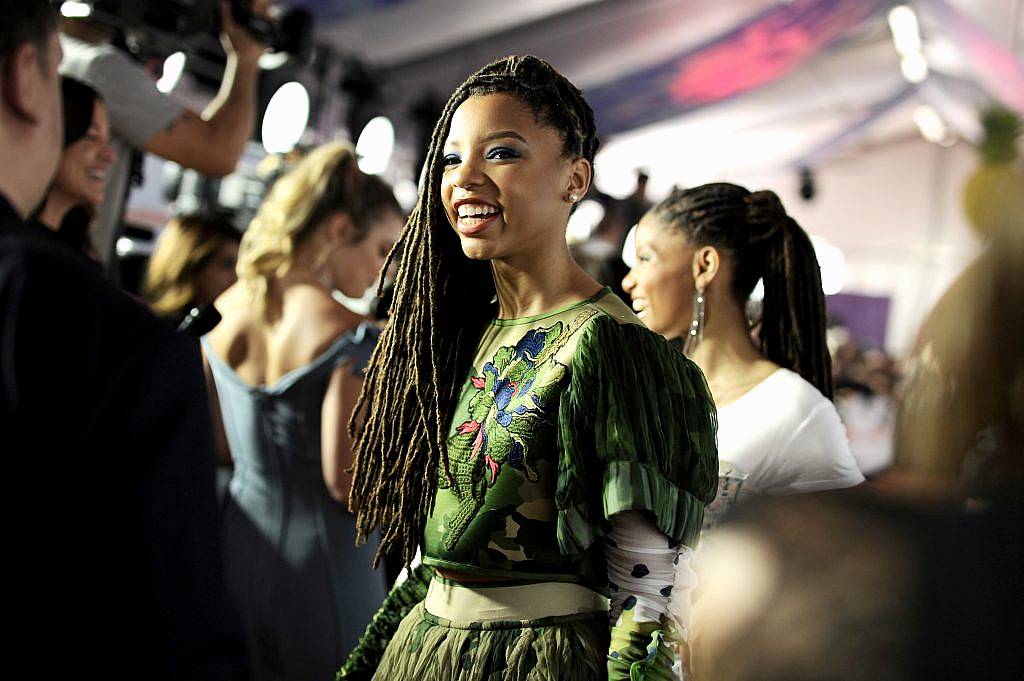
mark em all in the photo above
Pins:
pixel 566 419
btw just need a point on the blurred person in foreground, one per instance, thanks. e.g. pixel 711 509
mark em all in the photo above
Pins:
pixel 193 263
pixel 77 189
pixel 860 588
pixel 142 117
pixel 285 367
pixel 968 359
pixel 113 550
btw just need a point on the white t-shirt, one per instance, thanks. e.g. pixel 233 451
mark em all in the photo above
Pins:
pixel 786 437
pixel 870 424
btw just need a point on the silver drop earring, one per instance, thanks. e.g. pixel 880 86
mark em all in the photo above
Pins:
pixel 696 333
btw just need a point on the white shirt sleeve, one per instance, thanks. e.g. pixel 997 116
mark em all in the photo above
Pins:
pixel 138 111
pixel 816 457
pixel 642 571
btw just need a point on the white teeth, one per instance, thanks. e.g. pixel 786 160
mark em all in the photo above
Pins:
pixel 468 210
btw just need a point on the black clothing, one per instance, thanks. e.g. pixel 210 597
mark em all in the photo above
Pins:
pixel 105 426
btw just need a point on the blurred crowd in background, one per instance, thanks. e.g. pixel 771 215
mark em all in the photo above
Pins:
pixel 123 230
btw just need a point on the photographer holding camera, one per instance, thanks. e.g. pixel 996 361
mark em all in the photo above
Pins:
pixel 142 117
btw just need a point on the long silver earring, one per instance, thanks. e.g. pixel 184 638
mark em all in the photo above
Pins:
pixel 696 333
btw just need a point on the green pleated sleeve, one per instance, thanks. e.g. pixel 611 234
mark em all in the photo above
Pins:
pixel 363 660
pixel 637 432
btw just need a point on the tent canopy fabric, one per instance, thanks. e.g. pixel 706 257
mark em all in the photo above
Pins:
pixel 807 77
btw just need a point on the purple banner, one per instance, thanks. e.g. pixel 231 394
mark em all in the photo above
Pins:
pixel 866 317
pixel 762 50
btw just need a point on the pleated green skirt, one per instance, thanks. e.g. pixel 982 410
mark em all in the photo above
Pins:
pixel 561 648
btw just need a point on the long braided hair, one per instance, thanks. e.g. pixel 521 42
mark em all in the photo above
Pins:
pixel 441 304
pixel 764 242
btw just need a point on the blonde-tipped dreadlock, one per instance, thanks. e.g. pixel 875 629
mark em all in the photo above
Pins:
pixel 442 301
pixel 765 243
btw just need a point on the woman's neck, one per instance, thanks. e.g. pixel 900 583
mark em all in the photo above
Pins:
pixel 55 207
pixel 728 357
pixel 298 276
pixel 544 282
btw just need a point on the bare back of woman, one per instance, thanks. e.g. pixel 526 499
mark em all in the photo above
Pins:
pixel 308 322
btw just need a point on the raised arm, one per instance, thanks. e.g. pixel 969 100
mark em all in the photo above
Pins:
pixel 213 142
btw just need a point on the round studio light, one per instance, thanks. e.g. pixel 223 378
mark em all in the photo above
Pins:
pixel 833 265
pixel 584 221
pixel 75 10
pixel 407 193
pixel 906 33
pixel 931 125
pixel 914 68
pixel 375 144
pixel 629 248
pixel 285 118
pixel 174 66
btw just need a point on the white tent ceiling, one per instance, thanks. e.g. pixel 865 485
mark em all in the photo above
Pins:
pixel 433 44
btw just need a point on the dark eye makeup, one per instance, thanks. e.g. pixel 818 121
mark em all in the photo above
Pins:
pixel 502 153
pixel 493 154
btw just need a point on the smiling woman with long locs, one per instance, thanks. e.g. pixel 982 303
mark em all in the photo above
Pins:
pixel 518 425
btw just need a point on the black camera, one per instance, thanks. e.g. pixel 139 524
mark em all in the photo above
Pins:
pixel 261 28
pixel 169 22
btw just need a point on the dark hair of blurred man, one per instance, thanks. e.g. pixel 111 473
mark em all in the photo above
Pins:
pixel 31 125
pixel 113 553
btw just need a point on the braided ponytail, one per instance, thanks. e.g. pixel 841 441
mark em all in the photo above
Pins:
pixel 793 321
pixel 440 305
pixel 764 243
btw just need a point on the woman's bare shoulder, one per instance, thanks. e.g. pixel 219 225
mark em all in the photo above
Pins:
pixel 313 321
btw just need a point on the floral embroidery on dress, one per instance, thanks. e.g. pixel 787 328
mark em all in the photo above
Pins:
pixel 514 395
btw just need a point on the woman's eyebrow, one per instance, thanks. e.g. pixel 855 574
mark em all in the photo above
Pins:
pixel 489 137
pixel 502 134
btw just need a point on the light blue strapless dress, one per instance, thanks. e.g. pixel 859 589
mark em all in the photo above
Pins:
pixel 305 593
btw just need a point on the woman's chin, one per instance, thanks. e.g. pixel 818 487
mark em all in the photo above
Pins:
pixel 89 200
pixel 474 249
